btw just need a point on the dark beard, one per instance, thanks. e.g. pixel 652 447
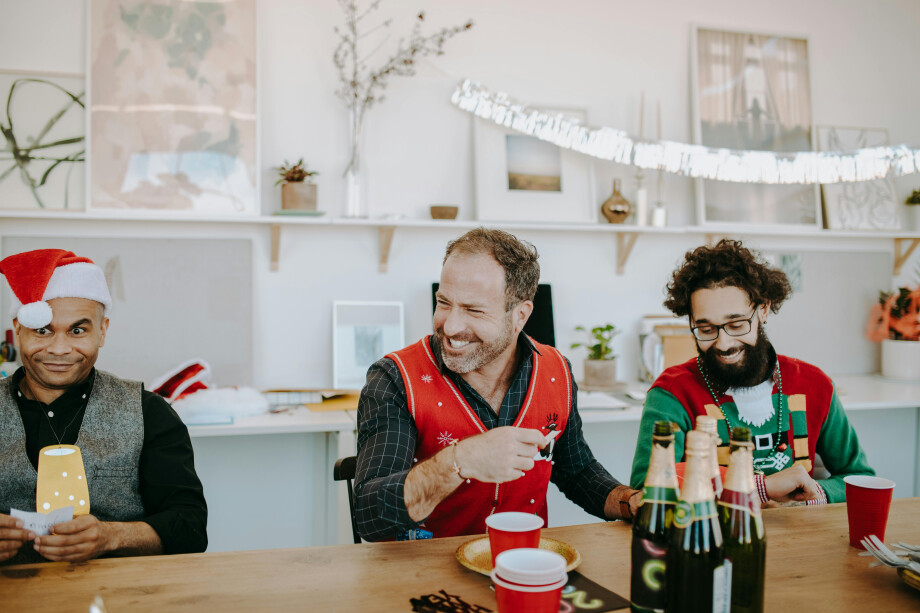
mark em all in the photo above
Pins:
pixel 753 369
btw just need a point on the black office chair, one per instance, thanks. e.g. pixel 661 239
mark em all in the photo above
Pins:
pixel 344 470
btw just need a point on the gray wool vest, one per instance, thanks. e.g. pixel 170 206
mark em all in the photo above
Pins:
pixel 110 440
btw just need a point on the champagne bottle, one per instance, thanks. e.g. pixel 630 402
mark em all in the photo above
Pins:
pixel 651 528
pixel 698 576
pixel 742 526
pixel 709 425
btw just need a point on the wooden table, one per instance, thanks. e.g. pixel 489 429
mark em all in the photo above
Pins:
pixel 810 567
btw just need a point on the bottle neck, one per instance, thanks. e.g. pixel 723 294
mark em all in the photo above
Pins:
pixel 740 475
pixel 661 469
pixel 697 485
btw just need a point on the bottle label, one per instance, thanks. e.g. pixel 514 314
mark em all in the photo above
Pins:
pixel 740 501
pixel 685 513
pixel 722 588
pixel 647 587
pixel 665 495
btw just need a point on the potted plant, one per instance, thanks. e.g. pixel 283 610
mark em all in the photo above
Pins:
pixel 895 322
pixel 600 365
pixel 913 209
pixel 298 192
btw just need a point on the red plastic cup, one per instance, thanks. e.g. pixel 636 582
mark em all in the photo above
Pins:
pixel 529 581
pixel 868 501
pixel 513 530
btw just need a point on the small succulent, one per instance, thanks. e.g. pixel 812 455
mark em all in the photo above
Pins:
pixel 294 173
pixel 914 198
pixel 600 350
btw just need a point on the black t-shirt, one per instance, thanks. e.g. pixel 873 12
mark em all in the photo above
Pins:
pixel 169 486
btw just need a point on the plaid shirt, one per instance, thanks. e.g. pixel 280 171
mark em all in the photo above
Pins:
pixel 387 440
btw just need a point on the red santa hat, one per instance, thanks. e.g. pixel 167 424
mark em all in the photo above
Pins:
pixel 41 275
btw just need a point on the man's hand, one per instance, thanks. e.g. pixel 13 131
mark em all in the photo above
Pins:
pixel 791 484
pixel 499 455
pixel 80 539
pixel 12 536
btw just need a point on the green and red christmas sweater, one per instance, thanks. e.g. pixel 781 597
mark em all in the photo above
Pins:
pixel 813 421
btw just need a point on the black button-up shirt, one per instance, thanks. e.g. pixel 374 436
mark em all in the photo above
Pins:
pixel 387 440
pixel 169 486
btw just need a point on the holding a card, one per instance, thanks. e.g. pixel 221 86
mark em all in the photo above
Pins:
pixel 111 460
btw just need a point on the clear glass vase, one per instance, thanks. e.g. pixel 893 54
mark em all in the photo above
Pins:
pixel 355 198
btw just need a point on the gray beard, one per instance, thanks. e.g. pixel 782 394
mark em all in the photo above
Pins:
pixel 483 354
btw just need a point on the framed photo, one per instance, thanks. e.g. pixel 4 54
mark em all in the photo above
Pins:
pixel 42 141
pixel 752 91
pixel 521 178
pixel 362 333
pixel 864 205
pixel 173 120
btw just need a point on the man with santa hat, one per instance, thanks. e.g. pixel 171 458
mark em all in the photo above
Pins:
pixel 136 491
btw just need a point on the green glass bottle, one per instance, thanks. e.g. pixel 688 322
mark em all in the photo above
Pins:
pixel 742 526
pixel 651 528
pixel 698 577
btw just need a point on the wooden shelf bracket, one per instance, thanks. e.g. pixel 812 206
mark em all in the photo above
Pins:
pixel 386 241
pixel 625 243
pixel 901 256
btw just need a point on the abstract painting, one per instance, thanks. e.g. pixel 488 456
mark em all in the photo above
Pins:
pixel 173 106
pixel 864 205
pixel 43 145
pixel 753 92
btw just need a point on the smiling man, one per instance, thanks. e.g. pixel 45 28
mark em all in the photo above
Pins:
pixel 144 495
pixel 791 407
pixel 476 418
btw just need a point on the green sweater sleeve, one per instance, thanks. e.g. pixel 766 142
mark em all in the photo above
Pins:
pixel 840 451
pixel 659 405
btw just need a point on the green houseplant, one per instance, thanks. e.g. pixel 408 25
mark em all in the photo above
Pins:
pixel 913 209
pixel 600 365
pixel 298 192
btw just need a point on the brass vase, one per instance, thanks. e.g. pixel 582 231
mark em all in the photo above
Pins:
pixel 616 208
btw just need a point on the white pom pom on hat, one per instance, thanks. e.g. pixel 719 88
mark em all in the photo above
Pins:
pixel 44 274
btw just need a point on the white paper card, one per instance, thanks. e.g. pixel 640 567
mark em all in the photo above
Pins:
pixel 40 523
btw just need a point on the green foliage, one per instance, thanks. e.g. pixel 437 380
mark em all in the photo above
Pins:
pixel 914 198
pixel 603 337
pixel 294 173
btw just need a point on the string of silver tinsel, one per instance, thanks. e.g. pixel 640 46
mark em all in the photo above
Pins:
pixel 681 158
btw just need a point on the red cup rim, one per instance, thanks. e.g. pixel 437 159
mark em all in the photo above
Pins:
pixel 869 482
pixel 515 515
pixel 498 581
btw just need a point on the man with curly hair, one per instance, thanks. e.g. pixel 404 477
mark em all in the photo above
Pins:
pixel 791 407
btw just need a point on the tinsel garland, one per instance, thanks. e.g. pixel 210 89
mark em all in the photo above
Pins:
pixel 696 161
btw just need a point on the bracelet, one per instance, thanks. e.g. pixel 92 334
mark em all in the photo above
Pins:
pixel 453 444
pixel 625 509
pixel 761 487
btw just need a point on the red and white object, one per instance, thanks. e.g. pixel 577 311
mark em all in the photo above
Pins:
pixel 868 503
pixel 187 378
pixel 44 274
pixel 513 530
pixel 529 580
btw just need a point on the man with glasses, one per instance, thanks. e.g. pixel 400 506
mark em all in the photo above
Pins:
pixel 476 418
pixel 791 407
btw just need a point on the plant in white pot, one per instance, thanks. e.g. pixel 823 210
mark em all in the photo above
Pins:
pixel 600 365
pixel 298 192
pixel 895 322
pixel 913 209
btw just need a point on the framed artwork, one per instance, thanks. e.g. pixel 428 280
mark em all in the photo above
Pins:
pixel 521 178
pixel 42 141
pixel 864 205
pixel 173 120
pixel 362 333
pixel 752 91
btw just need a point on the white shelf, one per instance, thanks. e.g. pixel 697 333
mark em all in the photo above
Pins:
pixel 904 243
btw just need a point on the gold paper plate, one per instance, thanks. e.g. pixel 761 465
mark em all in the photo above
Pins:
pixel 477 556
pixel 909 577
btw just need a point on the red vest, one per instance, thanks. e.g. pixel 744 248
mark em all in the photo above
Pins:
pixel 441 415
pixel 807 391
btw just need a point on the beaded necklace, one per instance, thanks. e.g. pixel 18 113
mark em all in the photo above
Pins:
pixel 779 419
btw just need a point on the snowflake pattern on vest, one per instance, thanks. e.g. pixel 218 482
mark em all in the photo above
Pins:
pixel 445 438
pixel 427 378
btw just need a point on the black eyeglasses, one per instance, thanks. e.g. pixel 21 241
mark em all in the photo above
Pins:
pixel 737 327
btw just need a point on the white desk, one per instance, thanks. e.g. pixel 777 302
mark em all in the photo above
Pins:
pixel 268 479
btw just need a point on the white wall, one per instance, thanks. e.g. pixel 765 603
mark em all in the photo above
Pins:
pixel 596 55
